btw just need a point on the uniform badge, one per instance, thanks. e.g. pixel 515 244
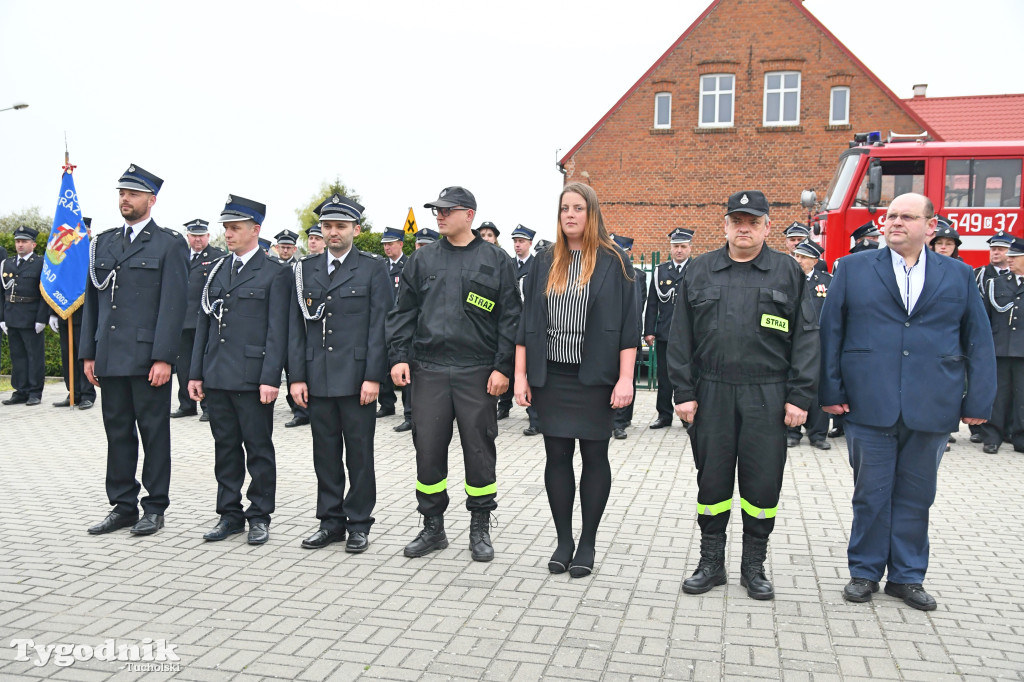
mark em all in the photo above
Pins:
pixel 443 192
pixel 821 290
pixel 309 301
pixel 131 169
pixel 744 200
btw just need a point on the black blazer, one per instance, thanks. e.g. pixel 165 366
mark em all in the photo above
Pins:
pixel 611 323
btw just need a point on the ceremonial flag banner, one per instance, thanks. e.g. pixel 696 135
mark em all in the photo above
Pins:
pixel 66 264
pixel 410 223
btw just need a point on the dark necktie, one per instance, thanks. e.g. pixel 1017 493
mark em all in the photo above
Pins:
pixel 236 268
pixel 335 264
pixel 1004 271
pixel 195 256
pixel 521 264
pixel 20 261
pixel 126 241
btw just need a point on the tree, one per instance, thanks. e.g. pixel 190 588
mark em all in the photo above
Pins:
pixel 29 218
pixel 307 215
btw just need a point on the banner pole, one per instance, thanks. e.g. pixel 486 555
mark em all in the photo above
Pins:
pixel 71 363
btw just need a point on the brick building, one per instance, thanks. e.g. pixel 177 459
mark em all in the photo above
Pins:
pixel 756 94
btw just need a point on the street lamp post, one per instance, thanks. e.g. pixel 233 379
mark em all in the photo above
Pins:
pixel 16 107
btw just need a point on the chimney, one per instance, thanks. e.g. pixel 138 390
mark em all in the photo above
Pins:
pixel 920 90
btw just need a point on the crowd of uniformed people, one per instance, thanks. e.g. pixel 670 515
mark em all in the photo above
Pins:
pixel 459 329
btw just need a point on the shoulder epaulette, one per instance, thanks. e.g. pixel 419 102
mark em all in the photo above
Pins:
pixel 169 230
pixel 369 255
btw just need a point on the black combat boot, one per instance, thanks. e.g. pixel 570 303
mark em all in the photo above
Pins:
pixel 430 538
pixel 480 536
pixel 711 569
pixel 752 577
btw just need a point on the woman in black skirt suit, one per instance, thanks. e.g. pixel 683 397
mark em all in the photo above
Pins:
pixel 575 350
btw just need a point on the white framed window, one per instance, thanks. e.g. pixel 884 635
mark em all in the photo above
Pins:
pixel 663 110
pixel 839 106
pixel 717 100
pixel 782 98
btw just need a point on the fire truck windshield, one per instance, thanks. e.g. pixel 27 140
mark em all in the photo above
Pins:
pixel 841 181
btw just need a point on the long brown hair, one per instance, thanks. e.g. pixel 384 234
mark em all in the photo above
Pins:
pixel 595 236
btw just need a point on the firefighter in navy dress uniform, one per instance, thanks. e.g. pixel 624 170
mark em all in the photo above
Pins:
pixel 134 313
pixel 808 255
pixel 339 359
pixel 392 241
pixel 624 415
pixel 23 317
pixel 201 258
pixel 286 249
pixel 1003 297
pixel 315 239
pixel 239 352
pixel 796 233
pixel 522 261
pixel 658 318
pixel 865 237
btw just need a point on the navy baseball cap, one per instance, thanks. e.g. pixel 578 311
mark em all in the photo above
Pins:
pixel 748 201
pixel 451 197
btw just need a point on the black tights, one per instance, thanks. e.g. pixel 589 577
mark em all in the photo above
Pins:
pixel 595 485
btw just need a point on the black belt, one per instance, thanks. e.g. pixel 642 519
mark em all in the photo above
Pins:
pixel 23 299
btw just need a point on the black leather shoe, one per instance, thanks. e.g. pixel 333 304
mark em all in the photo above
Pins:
pixel 34 401
pixel 562 558
pixel 204 417
pixel 859 590
pixel 259 532
pixel 480 536
pixel 114 521
pixel 322 538
pixel 296 421
pixel 912 594
pixel 15 401
pixel 432 537
pixel 530 431
pixel 63 403
pixel 821 444
pixel 178 413
pixel 148 524
pixel 620 434
pixel 792 441
pixel 836 432
pixel 385 412
pixel 711 567
pixel 976 438
pixel 582 563
pixel 990 448
pixel 503 413
pixel 357 542
pixel 661 423
pixel 84 405
pixel 404 426
pixel 224 528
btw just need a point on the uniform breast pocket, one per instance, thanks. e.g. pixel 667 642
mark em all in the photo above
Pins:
pixel 774 312
pixel 145 271
pixel 313 296
pixel 479 293
pixel 705 306
pixel 250 301
pixel 354 300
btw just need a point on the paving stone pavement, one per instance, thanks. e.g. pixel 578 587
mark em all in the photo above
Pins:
pixel 235 612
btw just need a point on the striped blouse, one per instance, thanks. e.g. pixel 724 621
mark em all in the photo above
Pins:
pixel 567 317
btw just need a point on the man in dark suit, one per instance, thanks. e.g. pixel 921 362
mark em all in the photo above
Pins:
pixel 522 240
pixel 808 255
pixel 392 241
pixel 201 257
pixel 906 353
pixel 658 318
pixel 239 352
pixel 624 415
pixel 338 359
pixel 85 393
pixel 23 317
pixel 134 311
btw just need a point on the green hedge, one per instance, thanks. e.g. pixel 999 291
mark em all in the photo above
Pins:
pixel 53 363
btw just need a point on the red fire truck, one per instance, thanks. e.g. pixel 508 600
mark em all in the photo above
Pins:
pixel 976 185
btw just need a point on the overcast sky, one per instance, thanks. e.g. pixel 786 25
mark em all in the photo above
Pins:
pixel 399 99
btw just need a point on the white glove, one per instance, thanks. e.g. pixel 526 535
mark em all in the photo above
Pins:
pixel 53 323
pixel 3 327
pixel 40 326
